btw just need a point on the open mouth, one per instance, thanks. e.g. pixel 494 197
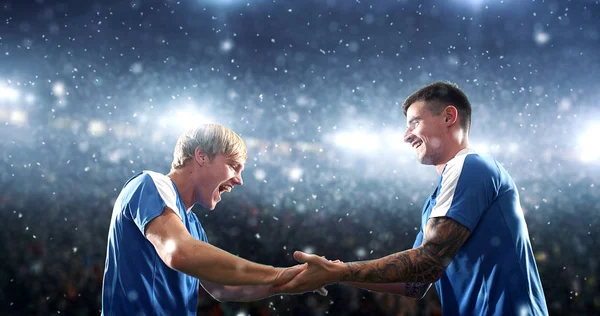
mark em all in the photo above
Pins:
pixel 225 188
pixel 416 144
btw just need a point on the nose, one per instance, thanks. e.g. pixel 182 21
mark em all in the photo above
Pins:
pixel 408 136
pixel 237 180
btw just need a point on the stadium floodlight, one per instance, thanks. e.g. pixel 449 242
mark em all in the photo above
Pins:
pixel 541 37
pixel 96 128
pixel 189 120
pixel 475 4
pixel 394 141
pixel 358 141
pixel 223 3
pixel 18 117
pixel 260 174
pixel 58 89
pixel 185 119
pixel 29 98
pixel 295 174
pixel 8 94
pixel 226 45
pixel 588 144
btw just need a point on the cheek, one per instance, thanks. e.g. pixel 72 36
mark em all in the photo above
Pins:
pixel 435 142
pixel 431 139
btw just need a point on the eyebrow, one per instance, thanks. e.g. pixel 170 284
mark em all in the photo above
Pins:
pixel 413 119
pixel 235 163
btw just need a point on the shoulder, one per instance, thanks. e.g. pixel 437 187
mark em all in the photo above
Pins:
pixel 165 189
pixel 147 180
pixel 158 179
pixel 154 186
pixel 470 163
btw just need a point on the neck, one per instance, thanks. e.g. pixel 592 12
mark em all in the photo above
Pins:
pixel 451 153
pixel 183 181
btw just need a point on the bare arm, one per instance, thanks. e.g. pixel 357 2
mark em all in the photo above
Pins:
pixel 414 290
pixel 442 239
pixel 237 293
pixel 180 251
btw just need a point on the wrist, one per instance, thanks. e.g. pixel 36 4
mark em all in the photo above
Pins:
pixel 343 273
pixel 273 274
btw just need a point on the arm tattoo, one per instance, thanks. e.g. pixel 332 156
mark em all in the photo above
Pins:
pixel 442 239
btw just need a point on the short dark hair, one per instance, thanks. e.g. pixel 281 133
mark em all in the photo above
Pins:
pixel 440 94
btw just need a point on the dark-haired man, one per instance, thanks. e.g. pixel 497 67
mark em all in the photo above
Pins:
pixel 473 243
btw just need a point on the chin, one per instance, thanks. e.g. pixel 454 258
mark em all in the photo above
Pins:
pixel 211 206
pixel 425 160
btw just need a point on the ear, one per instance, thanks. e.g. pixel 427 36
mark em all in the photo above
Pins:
pixel 450 115
pixel 200 156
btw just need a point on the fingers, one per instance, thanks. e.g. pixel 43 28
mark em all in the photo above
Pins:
pixel 300 256
pixel 289 287
pixel 287 274
pixel 308 258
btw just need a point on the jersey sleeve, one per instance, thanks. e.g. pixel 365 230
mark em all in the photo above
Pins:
pixel 469 186
pixel 151 195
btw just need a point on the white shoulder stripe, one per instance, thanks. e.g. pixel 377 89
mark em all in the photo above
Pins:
pixel 165 190
pixel 449 181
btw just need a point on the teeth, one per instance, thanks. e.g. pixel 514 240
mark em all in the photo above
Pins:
pixel 225 188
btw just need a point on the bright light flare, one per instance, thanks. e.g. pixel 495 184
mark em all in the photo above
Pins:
pixel 226 45
pixel 260 174
pixel 185 119
pixel 295 174
pixel 29 98
pixel 384 142
pixel 588 143
pixel 18 118
pixel 58 89
pixel 97 128
pixel 358 141
pixel 9 94
pixel 474 4
pixel 223 3
pixel 541 37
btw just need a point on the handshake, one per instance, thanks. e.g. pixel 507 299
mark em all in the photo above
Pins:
pixel 313 274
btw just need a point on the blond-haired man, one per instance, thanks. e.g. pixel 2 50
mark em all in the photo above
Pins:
pixel 158 252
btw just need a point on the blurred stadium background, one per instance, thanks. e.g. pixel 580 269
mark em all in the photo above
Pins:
pixel 92 92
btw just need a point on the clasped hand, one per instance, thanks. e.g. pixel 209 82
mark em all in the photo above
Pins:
pixel 317 273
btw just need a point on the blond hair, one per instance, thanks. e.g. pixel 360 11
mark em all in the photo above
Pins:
pixel 213 139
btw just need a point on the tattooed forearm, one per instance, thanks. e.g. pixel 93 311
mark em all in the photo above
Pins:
pixel 442 240
pixel 413 265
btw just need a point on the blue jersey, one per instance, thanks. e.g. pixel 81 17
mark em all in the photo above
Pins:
pixel 494 272
pixel 136 280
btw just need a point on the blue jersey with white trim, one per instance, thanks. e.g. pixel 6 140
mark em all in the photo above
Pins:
pixel 494 272
pixel 136 280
